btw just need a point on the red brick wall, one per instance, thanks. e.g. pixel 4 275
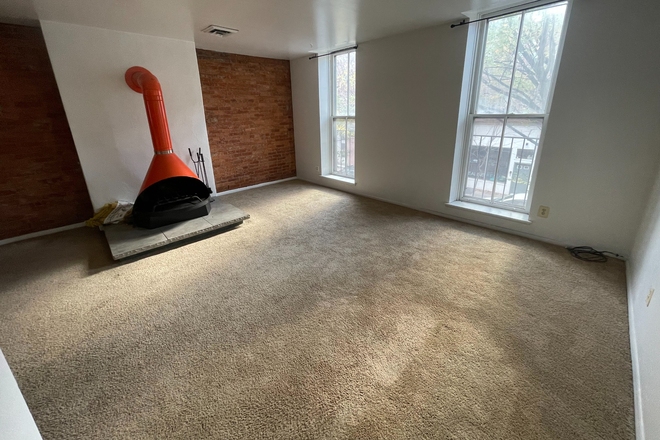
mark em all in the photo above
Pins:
pixel 249 118
pixel 41 182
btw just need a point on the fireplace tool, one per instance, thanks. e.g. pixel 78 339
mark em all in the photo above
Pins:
pixel 200 166
pixel 200 169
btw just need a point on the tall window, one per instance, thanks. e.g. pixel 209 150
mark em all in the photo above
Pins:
pixel 343 115
pixel 513 81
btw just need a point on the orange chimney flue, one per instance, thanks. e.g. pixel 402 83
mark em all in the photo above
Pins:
pixel 165 163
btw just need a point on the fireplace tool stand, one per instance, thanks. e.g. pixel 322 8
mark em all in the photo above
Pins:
pixel 200 168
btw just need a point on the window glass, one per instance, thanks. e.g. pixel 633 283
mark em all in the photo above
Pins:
pixel 536 59
pixel 482 158
pixel 527 43
pixel 497 70
pixel 341 85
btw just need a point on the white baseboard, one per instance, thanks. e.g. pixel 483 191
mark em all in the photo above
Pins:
pixel 78 225
pixel 449 216
pixel 40 233
pixel 637 390
pixel 259 185
pixel 637 386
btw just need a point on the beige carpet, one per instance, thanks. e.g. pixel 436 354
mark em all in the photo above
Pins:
pixel 325 316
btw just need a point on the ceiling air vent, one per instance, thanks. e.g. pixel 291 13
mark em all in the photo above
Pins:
pixel 219 30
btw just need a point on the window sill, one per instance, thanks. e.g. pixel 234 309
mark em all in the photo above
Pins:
pixel 339 178
pixel 490 210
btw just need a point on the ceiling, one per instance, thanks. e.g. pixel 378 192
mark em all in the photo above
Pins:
pixel 283 29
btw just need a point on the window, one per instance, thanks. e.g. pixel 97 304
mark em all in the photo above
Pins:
pixel 514 75
pixel 343 115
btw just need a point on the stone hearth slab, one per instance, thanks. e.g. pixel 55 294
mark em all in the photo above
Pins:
pixel 126 240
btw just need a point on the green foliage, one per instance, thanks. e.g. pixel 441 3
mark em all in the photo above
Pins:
pixel 534 64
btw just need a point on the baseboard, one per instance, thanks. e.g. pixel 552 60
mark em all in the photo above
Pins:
pixel 259 185
pixel 637 390
pixel 78 225
pixel 481 224
pixel 449 216
pixel 41 233
pixel 637 386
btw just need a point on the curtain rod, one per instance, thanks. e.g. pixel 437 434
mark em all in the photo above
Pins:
pixel 333 52
pixel 462 23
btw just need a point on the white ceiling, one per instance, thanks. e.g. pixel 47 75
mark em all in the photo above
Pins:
pixel 270 28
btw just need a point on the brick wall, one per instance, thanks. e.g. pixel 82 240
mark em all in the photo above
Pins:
pixel 249 117
pixel 41 182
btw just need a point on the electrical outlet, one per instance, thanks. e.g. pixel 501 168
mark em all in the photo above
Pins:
pixel 649 297
pixel 543 211
pixel 318 169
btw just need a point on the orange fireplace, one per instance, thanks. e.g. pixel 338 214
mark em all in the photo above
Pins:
pixel 171 192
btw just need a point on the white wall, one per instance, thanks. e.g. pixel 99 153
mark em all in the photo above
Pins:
pixel 107 119
pixel 600 150
pixel 643 275
pixel 16 422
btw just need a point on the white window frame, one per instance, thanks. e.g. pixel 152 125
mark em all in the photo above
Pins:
pixel 334 117
pixel 473 90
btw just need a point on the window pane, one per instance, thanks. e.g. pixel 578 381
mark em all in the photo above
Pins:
pixel 341 84
pixel 343 160
pixel 497 70
pixel 350 149
pixel 482 160
pixel 351 83
pixel 521 141
pixel 536 59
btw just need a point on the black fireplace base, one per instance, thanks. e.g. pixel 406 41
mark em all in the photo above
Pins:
pixel 171 200
pixel 151 220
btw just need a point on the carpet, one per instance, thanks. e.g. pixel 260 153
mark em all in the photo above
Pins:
pixel 324 316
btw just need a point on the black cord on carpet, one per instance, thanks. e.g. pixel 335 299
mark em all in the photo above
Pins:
pixel 587 253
